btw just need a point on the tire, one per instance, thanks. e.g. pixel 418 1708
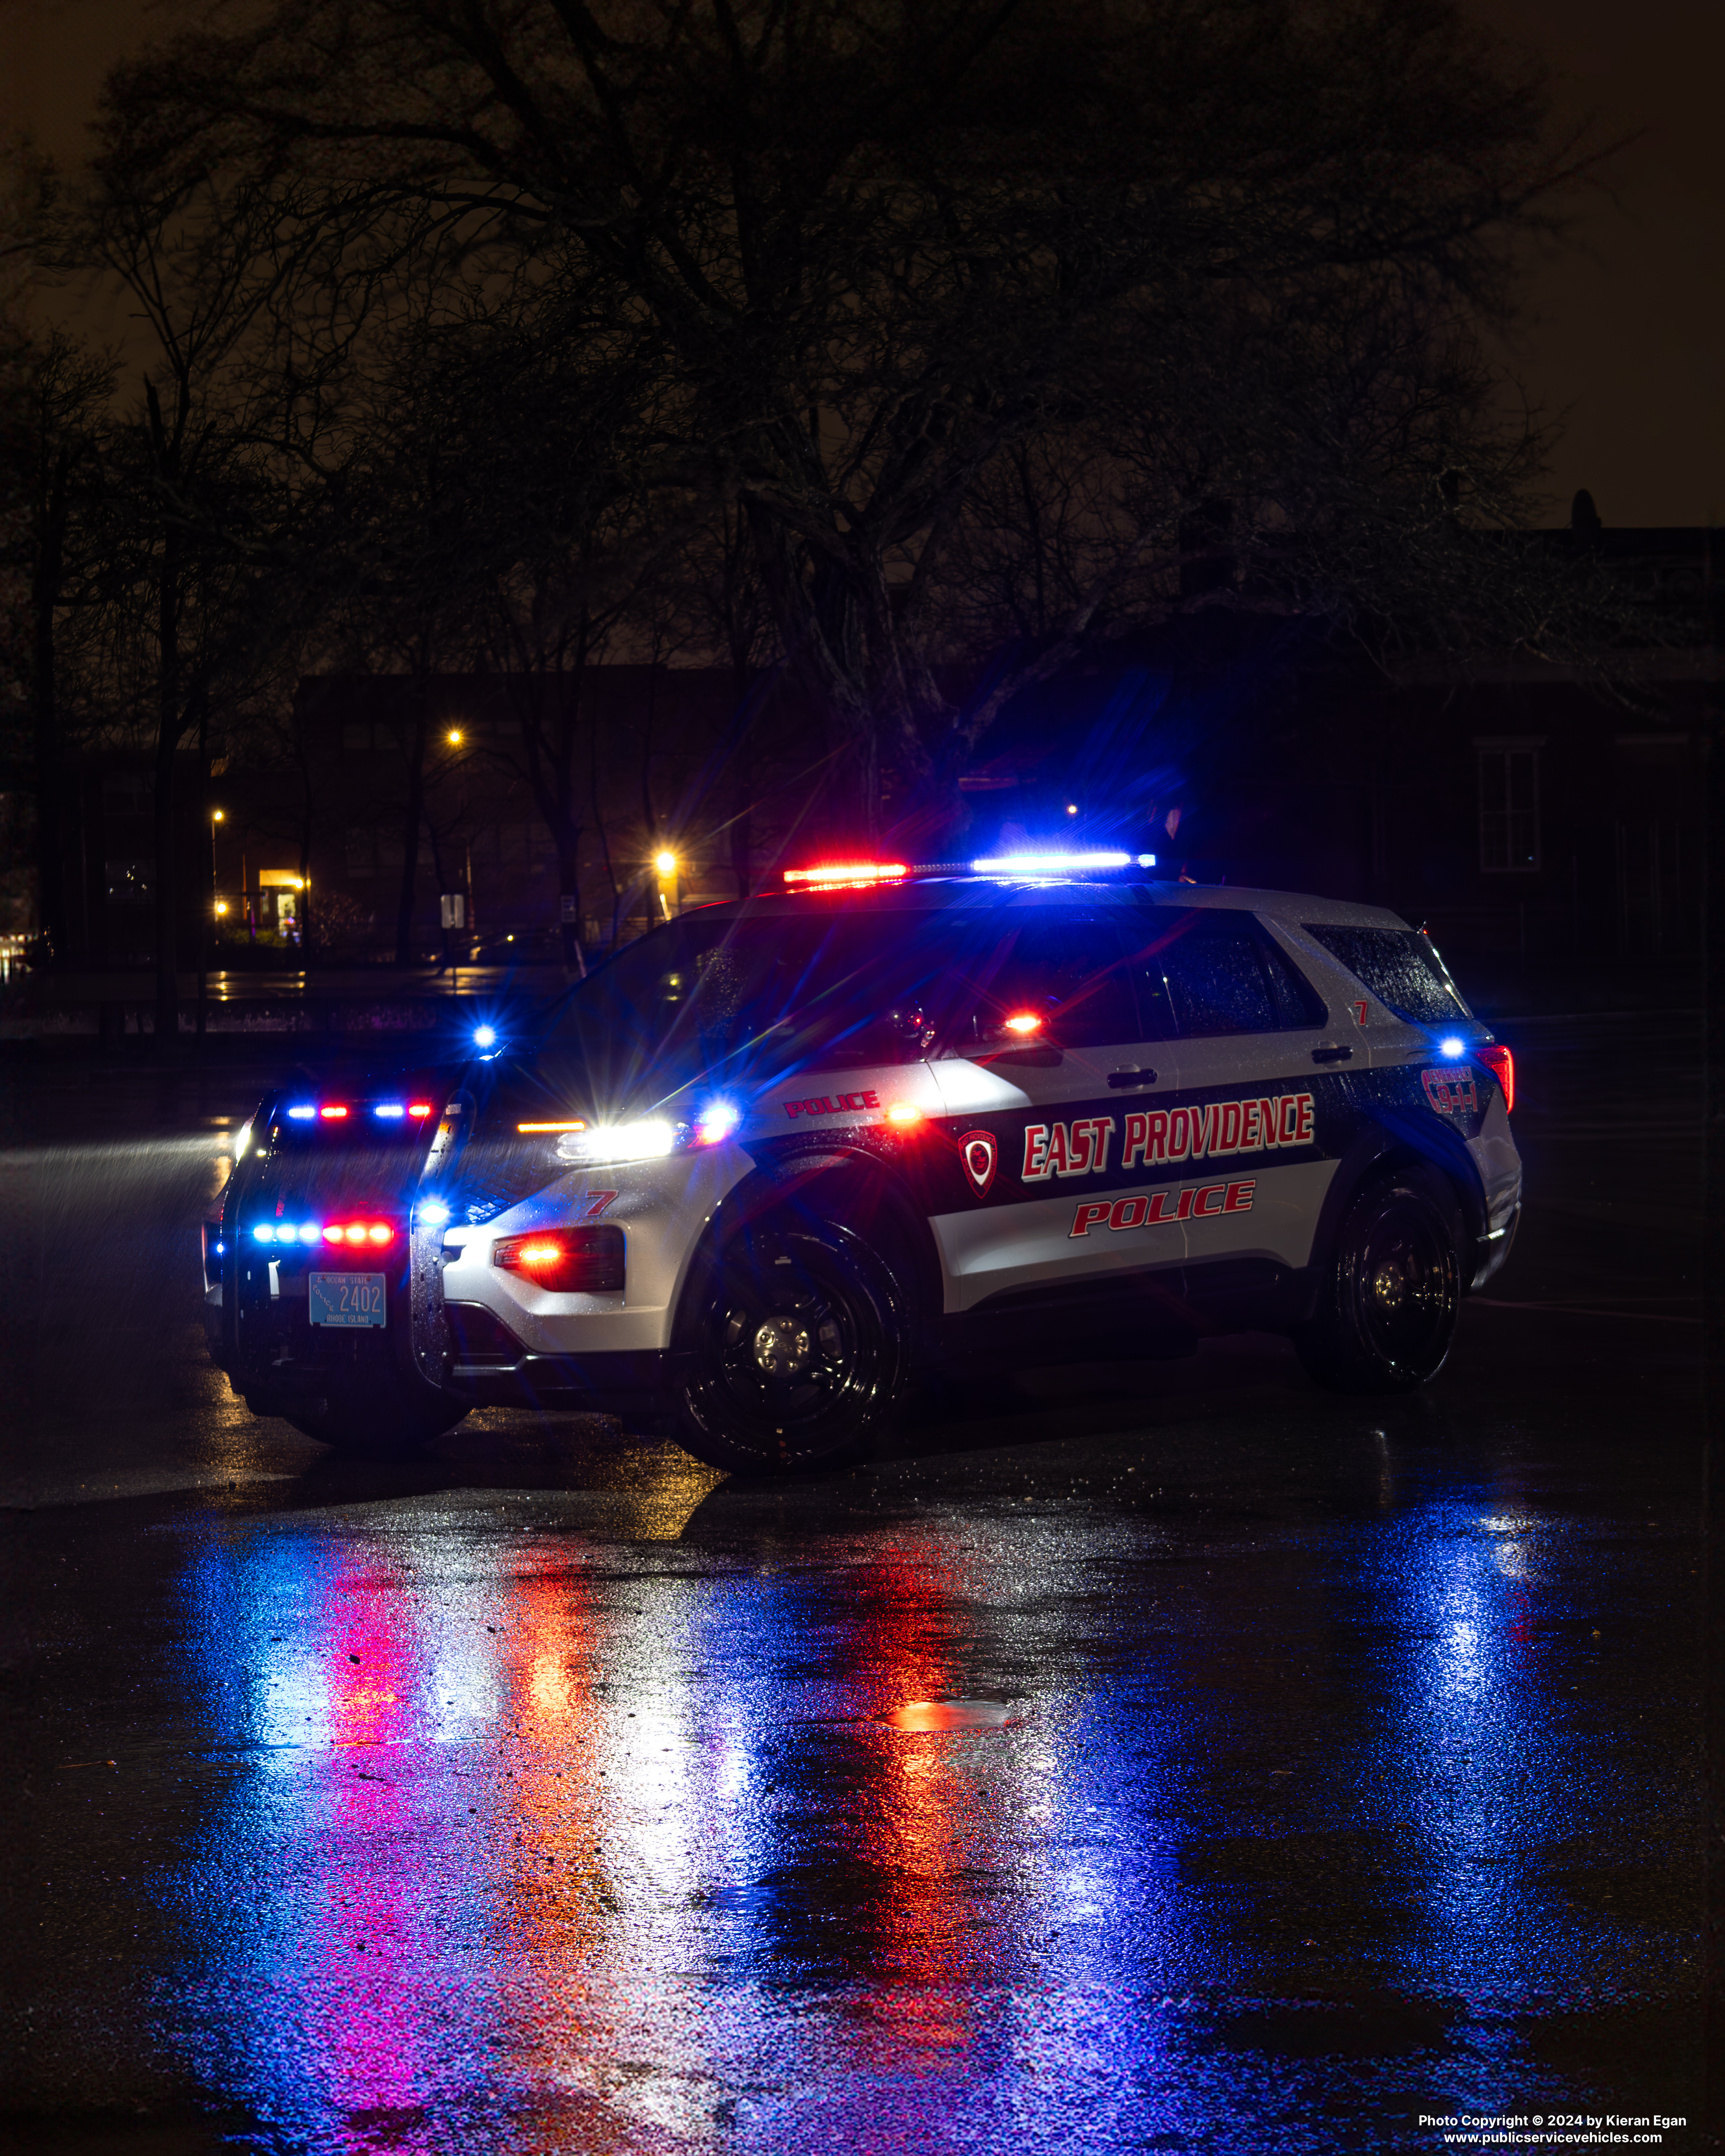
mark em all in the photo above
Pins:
pixel 385 1424
pixel 1392 1290
pixel 793 1349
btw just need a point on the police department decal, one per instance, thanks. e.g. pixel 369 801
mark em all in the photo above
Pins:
pixel 977 1151
pixel 1450 1092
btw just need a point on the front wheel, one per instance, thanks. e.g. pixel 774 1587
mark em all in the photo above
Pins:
pixel 1388 1310
pixel 793 1350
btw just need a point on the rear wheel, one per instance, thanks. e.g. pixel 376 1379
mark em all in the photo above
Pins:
pixel 1394 1288
pixel 793 1350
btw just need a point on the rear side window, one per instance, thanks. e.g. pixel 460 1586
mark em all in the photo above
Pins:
pixel 1399 966
pixel 1064 970
pixel 1204 973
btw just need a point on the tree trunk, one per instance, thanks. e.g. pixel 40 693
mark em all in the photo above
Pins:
pixel 411 820
pixel 50 824
pixel 168 721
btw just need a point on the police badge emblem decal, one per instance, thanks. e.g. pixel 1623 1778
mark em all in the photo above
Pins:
pixel 977 1150
pixel 1451 1093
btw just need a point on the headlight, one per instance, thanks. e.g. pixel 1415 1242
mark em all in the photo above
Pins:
pixel 650 1137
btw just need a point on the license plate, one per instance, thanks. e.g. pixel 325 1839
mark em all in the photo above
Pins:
pixel 345 1298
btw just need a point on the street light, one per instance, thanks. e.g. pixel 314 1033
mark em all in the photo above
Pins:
pixel 455 737
pixel 665 862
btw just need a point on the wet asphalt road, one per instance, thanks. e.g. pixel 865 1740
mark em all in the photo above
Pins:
pixel 1331 1763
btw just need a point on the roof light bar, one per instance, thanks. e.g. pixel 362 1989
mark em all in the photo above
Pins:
pixel 841 875
pixel 1038 863
pixel 830 873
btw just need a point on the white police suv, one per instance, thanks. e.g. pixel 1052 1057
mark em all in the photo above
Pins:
pixel 780 1158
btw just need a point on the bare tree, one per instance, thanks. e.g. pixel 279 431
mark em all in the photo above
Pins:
pixel 887 245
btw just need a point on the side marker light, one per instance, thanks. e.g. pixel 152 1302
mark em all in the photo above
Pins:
pixel 1451 1046
pixel 904 1112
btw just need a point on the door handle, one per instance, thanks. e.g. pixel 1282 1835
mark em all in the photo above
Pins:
pixel 1120 1079
pixel 1332 1055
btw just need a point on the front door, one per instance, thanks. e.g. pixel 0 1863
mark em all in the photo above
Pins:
pixel 1041 1068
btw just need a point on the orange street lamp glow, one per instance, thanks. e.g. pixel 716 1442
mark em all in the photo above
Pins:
pixel 455 737
pixel 666 864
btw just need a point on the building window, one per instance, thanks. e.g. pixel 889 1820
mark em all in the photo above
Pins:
pixel 1509 807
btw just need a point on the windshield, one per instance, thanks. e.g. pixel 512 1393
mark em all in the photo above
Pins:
pixel 729 998
pixel 726 998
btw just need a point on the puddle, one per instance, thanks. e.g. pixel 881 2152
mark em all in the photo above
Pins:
pixel 950 1714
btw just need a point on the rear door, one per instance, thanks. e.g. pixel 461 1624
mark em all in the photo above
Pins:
pixel 1262 1105
pixel 1042 1058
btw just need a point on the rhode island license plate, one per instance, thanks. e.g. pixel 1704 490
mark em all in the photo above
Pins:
pixel 345 1298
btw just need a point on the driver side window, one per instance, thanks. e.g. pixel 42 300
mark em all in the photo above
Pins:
pixel 1055 981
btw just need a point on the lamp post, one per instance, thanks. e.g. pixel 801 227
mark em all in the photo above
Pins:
pixel 664 864
pixel 208 908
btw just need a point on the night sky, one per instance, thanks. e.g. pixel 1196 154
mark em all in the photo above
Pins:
pixel 1626 338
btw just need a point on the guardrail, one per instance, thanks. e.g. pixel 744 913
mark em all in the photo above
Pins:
pixel 368 1003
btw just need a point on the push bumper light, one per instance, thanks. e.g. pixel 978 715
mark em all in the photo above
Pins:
pixel 356 1234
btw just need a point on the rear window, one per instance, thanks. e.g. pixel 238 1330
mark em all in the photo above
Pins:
pixel 1400 966
pixel 1205 972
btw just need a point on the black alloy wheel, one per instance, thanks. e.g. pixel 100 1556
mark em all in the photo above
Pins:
pixel 1394 1289
pixel 793 1351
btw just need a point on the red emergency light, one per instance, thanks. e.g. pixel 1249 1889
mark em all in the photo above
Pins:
pixel 837 875
pixel 370 1235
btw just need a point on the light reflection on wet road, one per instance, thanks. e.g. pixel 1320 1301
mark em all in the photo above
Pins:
pixel 549 1796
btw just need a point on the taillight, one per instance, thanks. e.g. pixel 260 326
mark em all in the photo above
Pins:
pixel 567 1260
pixel 1502 1065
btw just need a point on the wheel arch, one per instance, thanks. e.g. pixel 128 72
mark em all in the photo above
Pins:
pixel 848 1186
pixel 1390 1140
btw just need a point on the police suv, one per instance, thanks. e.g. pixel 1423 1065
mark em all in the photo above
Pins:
pixel 782 1158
